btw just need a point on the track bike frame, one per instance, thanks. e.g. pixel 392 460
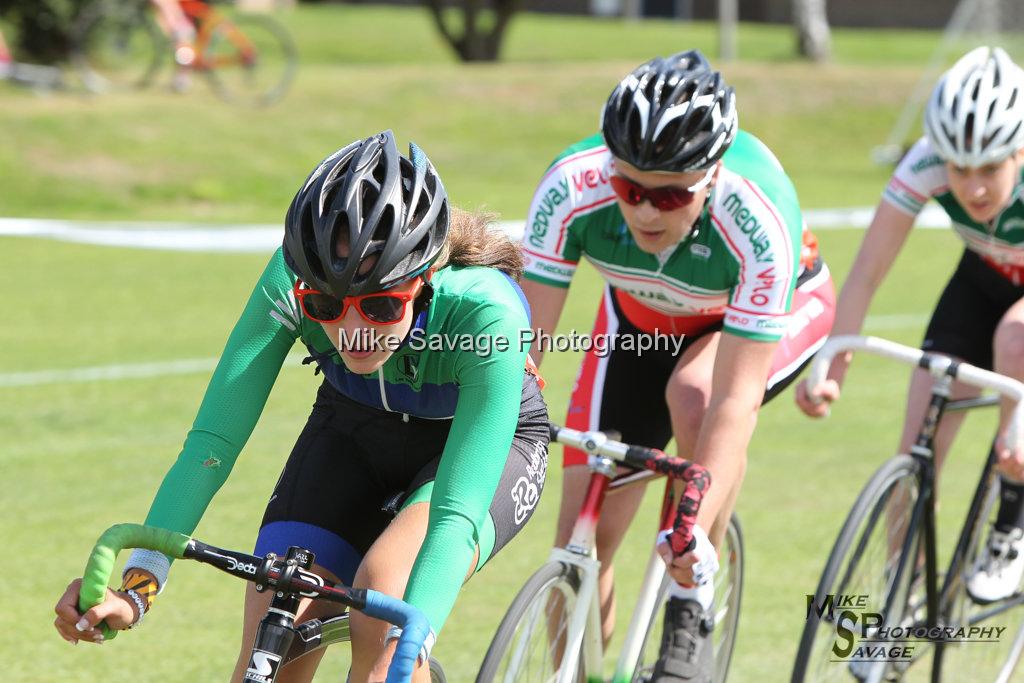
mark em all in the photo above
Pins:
pixel 940 598
pixel 206 19
pixel 584 629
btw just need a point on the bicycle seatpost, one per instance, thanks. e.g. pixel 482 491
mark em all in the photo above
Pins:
pixel 277 629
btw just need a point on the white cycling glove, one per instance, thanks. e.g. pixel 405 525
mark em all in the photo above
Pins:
pixel 707 557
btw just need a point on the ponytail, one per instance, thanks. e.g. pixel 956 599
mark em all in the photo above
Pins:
pixel 473 241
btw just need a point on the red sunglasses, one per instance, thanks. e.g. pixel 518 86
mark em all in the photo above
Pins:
pixel 379 308
pixel 662 198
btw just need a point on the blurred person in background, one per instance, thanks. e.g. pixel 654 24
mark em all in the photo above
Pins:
pixel 6 61
pixel 698 232
pixel 969 161
pixel 416 465
pixel 179 28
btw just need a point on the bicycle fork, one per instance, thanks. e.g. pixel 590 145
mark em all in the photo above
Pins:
pixel 584 631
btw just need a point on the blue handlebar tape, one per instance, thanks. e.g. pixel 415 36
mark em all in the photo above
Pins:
pixel 415 630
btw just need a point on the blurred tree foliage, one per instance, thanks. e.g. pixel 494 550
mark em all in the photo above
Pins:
pixel 41 28
pixel 474 28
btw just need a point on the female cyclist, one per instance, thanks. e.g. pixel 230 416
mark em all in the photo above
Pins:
pixel 969 161
pixel 416 465
pixel 697 231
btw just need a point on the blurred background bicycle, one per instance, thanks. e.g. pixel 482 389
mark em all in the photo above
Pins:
pixel 245 57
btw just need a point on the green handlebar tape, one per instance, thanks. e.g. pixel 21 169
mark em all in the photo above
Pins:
pixel 115 539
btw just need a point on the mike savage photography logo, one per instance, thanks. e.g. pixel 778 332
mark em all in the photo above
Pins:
pixel 483 345
pixel 863 636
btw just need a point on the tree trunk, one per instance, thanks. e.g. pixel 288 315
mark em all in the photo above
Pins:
pixel 470 41
pixel 814 39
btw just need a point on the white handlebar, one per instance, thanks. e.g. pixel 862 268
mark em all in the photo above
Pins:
pixel 966 373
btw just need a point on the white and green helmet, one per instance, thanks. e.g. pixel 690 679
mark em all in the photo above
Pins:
pixel 976 113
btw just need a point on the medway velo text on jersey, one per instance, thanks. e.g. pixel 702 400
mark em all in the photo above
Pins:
pixel 740 263
pixel 922 175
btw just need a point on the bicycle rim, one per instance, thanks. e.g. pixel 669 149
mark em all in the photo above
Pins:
pixel 728 592
pixel 117 47
pixel 988 661
pixel 249 59
pixel 529 644
pixel 868 559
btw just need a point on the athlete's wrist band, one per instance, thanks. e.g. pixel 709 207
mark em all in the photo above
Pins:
pixel 153 562
pixel 140 583
pixel 140 603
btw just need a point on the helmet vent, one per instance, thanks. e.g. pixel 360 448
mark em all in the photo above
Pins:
pixel 383 228
pixel 309 243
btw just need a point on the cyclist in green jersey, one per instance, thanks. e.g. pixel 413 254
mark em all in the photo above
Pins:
pixel 969 161
pixel 699 235
pixel 426 449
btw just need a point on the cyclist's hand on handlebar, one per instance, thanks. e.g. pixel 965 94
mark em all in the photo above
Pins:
pixel 815 401
pixel 117 609
pixel 1011 459
pixel 693 568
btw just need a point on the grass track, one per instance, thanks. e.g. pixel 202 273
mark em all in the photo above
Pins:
pixel 83 456
pixel 79 457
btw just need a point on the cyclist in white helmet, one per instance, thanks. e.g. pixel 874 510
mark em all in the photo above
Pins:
pixel 969 161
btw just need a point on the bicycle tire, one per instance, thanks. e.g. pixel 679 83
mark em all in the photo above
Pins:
pixel 859 527
pixel 728 597
pixel 258 58
pixel 995 661
pixel 528 604
pixel 436 671
pixel 117 46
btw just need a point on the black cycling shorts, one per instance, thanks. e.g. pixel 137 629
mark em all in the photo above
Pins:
pixel 625 391
pixel 964 322
pixel 354 467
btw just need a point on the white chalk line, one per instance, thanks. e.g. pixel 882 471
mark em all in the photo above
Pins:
pixel 257 238
pixel 194 366
pixel 262 238
pixel 118 371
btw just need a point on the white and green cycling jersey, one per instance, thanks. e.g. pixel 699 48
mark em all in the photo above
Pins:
pixel 922 175
pixel 740 263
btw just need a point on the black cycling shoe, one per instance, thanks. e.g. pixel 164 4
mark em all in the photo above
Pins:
pixel 685 654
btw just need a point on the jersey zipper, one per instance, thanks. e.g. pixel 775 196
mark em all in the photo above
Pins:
pixel 384 396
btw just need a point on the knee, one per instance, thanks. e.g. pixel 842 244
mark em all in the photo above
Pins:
pixel 1008 348
pixel 687 404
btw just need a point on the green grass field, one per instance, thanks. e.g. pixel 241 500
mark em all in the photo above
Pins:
pixel 80 456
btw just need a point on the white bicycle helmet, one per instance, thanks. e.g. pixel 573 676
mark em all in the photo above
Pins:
pixel 976 113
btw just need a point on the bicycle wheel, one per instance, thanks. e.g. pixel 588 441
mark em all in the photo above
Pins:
pixel 248 58
pixel 117 46
pixel 436 672
pixel 728 591
pixel 868 559
pixel 530 640
pixel 982 661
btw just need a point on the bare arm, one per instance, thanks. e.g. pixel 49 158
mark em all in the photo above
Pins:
pixel 546 304
pixel 882 243
pixel 737 389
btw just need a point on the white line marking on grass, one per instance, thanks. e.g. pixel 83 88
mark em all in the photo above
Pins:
pixel 261 238
pixel 101 373
pixel 190 366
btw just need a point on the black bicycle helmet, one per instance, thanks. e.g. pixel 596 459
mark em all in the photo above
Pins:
pixel 388 205
pixel 671 114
